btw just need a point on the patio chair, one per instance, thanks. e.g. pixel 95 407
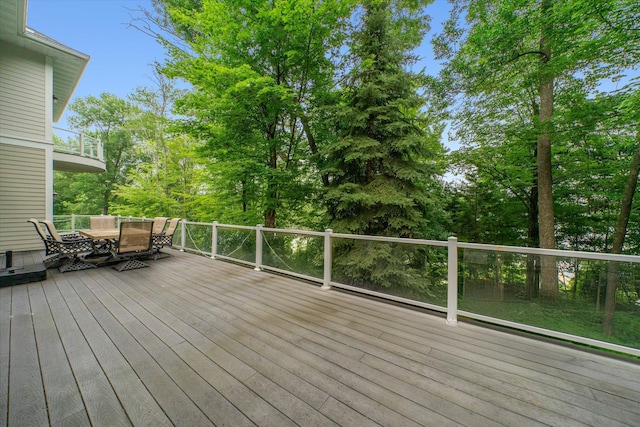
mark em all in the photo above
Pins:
pixel 64 254
pixel 102 222
pixel 134 243
pixel 159 223
pixel 51 228
pixel 165 239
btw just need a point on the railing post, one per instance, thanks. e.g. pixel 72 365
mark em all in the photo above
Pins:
pixel 214 240
pixel 452 285
pixel 73 222
pixel 326 278
pixel 183 236
pixel 258 247
pixel 119 220
pixel 82 144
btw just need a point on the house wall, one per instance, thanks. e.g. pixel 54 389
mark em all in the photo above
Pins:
pixel 22 195
pixel 22 93
pixel 26 148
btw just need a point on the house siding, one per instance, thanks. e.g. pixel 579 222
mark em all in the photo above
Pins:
pixel 22 93
pixel 23 187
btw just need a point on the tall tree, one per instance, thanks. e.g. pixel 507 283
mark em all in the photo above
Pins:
pixel 152 127
pixel 630 108
pixel 107 118
pixel 534 49
pixel 167 177
pixel 385 166
pixel 258 69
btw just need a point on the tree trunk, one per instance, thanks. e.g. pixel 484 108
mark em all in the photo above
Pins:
pixel 313 146
pixel 533 236
pixel 270 218
pixel 618 241
pixel 105 198
pixel 272 192
pixel 549 276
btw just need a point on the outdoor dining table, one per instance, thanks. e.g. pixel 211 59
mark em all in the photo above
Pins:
pixel 101 234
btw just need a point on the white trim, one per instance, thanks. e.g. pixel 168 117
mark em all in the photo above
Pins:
pixel 46 41
pixel 48 99
pixel 390 239
pixel 561 253
pixel 49 181
pixel 239 227
pixel 293 231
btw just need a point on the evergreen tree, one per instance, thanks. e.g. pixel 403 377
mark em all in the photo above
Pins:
pixel 383 169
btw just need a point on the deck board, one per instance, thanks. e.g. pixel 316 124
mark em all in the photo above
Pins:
pixel 63 397
pixel 5 344
pixel 100 400
pixel 193 341
pixel 173 400
pixel 27 404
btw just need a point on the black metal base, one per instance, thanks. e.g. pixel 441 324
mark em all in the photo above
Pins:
pixel 131 264
pixel 75 264
pixel 160 255
pixel 53 261
pixel 19 275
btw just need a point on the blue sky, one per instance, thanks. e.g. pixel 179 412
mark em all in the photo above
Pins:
pixel 121 55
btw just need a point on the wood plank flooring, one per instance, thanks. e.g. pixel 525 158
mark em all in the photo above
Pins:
pixel 191 341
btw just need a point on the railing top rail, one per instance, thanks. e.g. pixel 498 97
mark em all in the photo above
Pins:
pixel 292 231
pixel 67 130
pixel 196 223
pixel 553 252
pixel 240 227
pixel 390 239
pixel 75 132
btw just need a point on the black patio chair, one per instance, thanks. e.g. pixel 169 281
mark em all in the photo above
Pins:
pixel 134 244
pixel 159 223
pixel 65 254
pixel 164 239
pixel 51 228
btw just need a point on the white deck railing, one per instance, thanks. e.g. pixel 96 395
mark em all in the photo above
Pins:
pixel 476 281
pixel 78 144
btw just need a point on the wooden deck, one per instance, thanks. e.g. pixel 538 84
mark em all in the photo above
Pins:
pixel 191 341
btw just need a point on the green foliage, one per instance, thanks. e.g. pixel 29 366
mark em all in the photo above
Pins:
pixel 384 168
pixel 494 61
pixel 108 119
pixel 259 70
pixel 77 193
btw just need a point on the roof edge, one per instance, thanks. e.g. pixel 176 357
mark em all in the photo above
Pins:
pixel 40 38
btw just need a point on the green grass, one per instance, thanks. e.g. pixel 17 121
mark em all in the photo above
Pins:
pixel 573 317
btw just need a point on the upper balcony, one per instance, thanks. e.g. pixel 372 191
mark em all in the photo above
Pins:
pixel 77 152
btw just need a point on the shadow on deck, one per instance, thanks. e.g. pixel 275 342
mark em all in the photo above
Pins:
pixel 193 341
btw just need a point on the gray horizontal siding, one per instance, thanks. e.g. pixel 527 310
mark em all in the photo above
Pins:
pixel 22 93
pixel 22 196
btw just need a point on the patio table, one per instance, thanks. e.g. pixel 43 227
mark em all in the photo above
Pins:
pixel 101 234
